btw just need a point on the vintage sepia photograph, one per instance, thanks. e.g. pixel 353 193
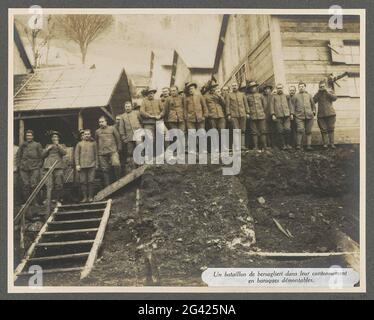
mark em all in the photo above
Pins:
pixel 194 150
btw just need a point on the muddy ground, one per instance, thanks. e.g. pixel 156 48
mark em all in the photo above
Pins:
pixel 192 217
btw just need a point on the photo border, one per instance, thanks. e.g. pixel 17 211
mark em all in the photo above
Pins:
pixel 362 289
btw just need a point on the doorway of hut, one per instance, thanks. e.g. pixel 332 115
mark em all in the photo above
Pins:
pixel 66 125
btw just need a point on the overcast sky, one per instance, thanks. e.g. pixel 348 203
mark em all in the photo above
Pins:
pixel 132 37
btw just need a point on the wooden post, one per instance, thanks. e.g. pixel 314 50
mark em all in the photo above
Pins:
pixel 32 247
pixel 22 233
pixel 277 51
pixel 80 121
pixel 98 240
pixel 49 197
pixel 21 137
pixel 236 38
pixel 31 198
pixel 137 203
pixel 115 186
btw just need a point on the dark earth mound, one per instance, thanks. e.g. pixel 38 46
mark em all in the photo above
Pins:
pixel 191 217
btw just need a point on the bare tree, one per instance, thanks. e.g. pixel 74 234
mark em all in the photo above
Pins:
pixel 84 29
pixel 32 37
pixel 50 34
pixel 39 35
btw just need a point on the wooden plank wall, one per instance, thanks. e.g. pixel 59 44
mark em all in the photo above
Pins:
pixel 307 57
pixel 246 42
pixel 260 63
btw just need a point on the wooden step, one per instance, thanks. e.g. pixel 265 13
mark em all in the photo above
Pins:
pixel 73 224
pixel 88 204
pixel 45 249
pixel 63 256
pixel 52 244
pixel 69 231
pixel 80 211
pixel 72 260
pixel 78 216
pixel 74 221
pixel 59 270
pixel 69 235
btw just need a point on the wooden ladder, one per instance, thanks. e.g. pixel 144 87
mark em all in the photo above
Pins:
pixel 69 241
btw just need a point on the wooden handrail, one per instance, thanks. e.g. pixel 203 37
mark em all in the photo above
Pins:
pixel 35 192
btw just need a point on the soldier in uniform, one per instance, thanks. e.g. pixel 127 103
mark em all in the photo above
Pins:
pixel 86 161
pixel 164 96
pixel 174 110
pixel 175 114
pixel 55 152
pixel 326 114
pixel 108 148
pixel 165 92
pixel 237 110
pixel 267 93
pixel 195 108
pixel 257 125
pixel 303 110
pixel 281 115
pixel 225 90
pixel 291 93
pixel 130 122
pixel 116 124
pixel 216 107
pixel 151 110
pixel 29 161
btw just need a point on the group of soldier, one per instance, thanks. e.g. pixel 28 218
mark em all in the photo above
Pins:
pixel 274 118
pixel 91 153
pixel 269 115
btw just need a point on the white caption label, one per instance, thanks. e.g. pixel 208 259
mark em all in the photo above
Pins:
pixel 333 278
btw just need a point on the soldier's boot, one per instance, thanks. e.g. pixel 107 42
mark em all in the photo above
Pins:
pixel 269 140
pixel 325 140
pixel 58 195
pixel 263 142
pixel 84 193
pixel 288 141
pixel 282 142
pixel 117 173
pixel 106 178
pixel 309 142
pixel 255 142
pixel 90 192
pixel 243 145
pixel 332 140
pixel 299 139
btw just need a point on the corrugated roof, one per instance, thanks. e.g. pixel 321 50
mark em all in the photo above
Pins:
pixel 67 88
pixel 19 81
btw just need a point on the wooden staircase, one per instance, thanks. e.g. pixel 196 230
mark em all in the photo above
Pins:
pixel 69 240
